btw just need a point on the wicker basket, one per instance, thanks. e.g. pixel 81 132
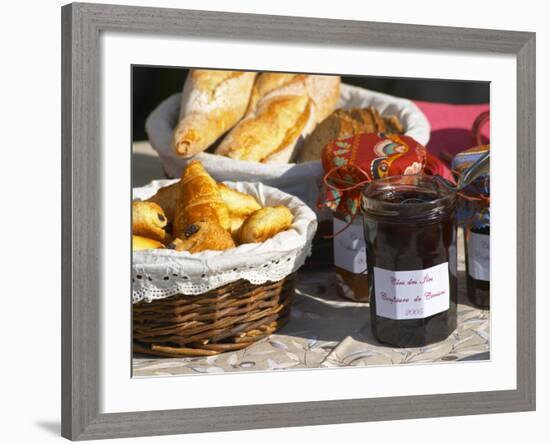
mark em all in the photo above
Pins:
pixel 299 180
pixel 224 319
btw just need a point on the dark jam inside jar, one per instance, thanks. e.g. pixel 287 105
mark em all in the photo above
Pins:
pixel 350 258
pixel 476 246
pixel 410 234
pixel 353 286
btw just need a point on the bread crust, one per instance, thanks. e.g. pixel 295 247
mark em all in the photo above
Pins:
pixel 265 131
pixel 212 102
pixel 344 123
pixel 283 108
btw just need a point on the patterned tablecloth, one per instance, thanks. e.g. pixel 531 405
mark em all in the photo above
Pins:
pixel 325 330
pixel 328 331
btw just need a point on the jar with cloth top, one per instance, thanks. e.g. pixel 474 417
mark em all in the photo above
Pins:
pixel 474 217
pixel 410 231
pixel 349 164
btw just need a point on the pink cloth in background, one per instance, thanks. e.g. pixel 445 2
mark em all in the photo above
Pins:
pixel 451 126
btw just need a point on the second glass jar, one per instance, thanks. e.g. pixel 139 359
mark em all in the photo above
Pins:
pixel 410 233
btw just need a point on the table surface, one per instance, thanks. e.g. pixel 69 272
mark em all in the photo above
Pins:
pixel 325 330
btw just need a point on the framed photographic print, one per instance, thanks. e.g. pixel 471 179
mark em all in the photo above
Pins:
pixel 277 221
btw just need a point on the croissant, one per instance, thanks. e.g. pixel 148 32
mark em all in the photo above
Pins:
pixel 236 224
pixel 212 102
pixel 142 243
pixel 167 198
pixel 200 199
pixel 239 204
pixel 265 223
pixel 148 220
pixel 203 235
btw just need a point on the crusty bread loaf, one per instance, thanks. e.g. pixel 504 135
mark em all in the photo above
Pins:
pixel 274 124
pixel 211 103
pixel 393 125
pixel 283 108
pixel 344 123
pixel 324 91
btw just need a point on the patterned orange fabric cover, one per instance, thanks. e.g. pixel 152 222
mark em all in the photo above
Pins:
pixel 351 163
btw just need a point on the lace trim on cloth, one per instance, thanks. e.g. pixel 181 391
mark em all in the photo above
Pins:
pixel 158 274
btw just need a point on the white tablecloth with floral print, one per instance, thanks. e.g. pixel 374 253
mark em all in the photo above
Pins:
pixel 324 330
pixel 328 331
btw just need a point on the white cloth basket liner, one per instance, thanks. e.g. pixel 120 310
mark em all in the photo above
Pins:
pixel 301 180
pixel 162 273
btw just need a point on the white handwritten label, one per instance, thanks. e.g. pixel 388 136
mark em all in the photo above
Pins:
pixel 414 294
pixel 350 251
pixel 478 256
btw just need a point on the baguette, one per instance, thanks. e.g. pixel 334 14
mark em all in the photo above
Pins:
pixel 211 103
pixel 283 109
pixel 324 91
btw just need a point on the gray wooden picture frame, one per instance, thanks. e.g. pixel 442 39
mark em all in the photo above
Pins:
pixel 81 206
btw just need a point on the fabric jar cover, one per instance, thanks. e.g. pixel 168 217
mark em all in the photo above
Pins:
pixel 351 163
pixel 473 208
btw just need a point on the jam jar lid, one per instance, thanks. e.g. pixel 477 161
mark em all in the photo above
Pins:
pixel 407 198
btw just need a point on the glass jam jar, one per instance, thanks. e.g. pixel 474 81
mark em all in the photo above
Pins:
pixel 410 233
pixel 477 247
pixel 474 216
pixel 350 258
